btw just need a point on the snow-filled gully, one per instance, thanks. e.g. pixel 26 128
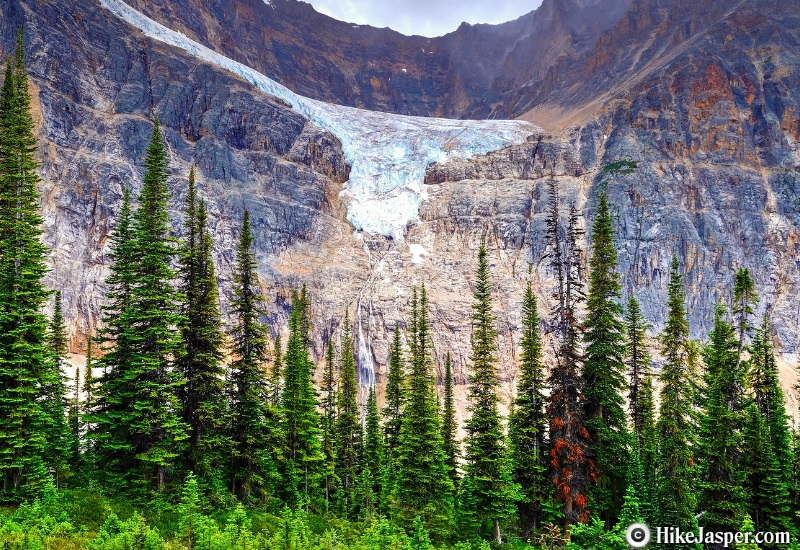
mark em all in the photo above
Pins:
pixel 388 153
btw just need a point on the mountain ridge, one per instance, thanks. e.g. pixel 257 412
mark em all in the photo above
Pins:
pixel 451 76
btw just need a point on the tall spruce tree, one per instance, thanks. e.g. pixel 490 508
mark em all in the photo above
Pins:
pixel 721 498
pixel 571 471
pixel 603 370
pixel 767 438
pixel 675 493
pixel 139 444
pixel 638 362
pixel 768 394
pixel 107 412
pixel 423 486
pixel 300 301
pixel 59 436
pixel 348 426
pixel 394 393
pixel 87 406
pixel 329 422
pixel 744 300
pixel 487 458
pixel 75 426
pixel 392 420
pixel 155 424
pixel 200 361
pixel 768 496
pixel 303 474
pixel 369 480
pixel 23 351
pixel 253 420
pixel 642 407
pixel 449 425
pixel 527 430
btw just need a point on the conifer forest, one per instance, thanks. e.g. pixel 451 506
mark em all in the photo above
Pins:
pixel 190 430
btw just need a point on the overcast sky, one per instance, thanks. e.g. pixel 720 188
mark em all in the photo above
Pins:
pixel 425 17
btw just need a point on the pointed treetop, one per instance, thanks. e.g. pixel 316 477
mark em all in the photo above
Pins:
pixel 19 54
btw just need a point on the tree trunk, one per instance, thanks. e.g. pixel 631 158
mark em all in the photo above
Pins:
pixel 497 536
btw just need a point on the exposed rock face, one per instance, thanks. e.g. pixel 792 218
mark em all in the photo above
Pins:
pixel 462 74
pixel 96 96
pixel 709 112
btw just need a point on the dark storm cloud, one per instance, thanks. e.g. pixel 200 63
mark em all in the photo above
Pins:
pixel 425 17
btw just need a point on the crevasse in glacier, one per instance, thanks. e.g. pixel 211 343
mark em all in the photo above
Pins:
pixel 388 153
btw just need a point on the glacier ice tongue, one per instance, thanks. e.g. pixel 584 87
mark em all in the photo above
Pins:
pixel 387 153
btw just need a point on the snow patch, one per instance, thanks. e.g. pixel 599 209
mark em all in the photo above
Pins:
pixel 417 251
pixel 388 153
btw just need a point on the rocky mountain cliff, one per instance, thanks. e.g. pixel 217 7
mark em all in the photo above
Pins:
pixel 701 97
pixel 460 75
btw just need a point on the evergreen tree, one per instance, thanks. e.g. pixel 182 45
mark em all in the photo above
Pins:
pixel 721 497
pixel 641 407
pixel 419 536
pixel 638 489
pixel 638 361
pixel 768 495
pixel 106 413
pixel 423 486
pixel 570 467
pixel 253 421
pixel 301 302
pixel 303 461
pixel 744 299
pixel 138 444
pixel 449 425
pixel 87 447
pixel 59 436
pixel 329 422
pixel 348 427
pixel 768 394
pixel 277 370
pixel 486 459
pixel 23 351
pixel 604 368
pixel 747 527
pixel 394 392
pixel 191 517
pixel 200 361
pixel 467 513
pixel 392 420
pixel 369 484
pixel 767 438
pixel 139 433
pixel 329 382
pixel 388 482
pixel 156 430
pixel 675 497
pixel 794 489
pixel 74 426
pixel 527 429
pixel 647 451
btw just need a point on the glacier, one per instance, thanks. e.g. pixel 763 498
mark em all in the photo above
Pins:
pixel 387 153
